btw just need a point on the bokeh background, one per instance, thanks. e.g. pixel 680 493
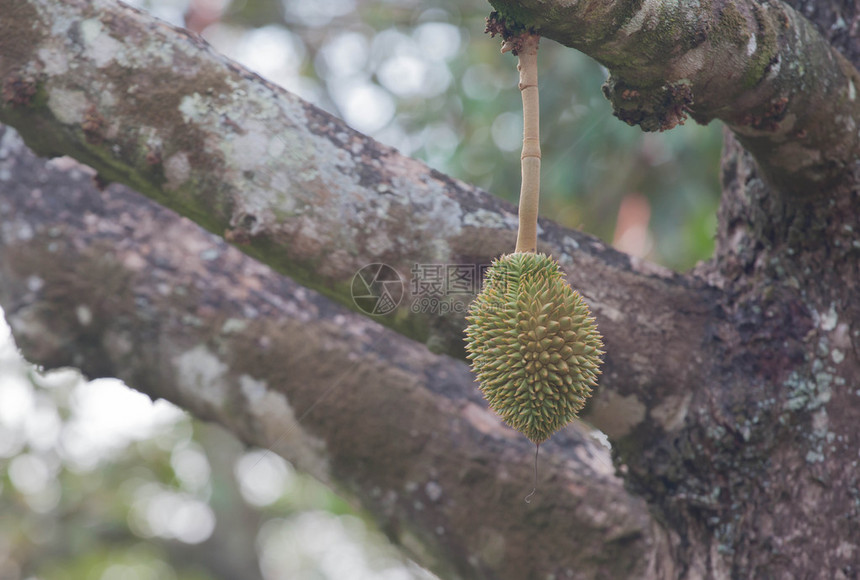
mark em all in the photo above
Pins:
pixel 98 482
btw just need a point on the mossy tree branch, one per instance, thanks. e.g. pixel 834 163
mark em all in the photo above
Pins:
pixel 154 108
pixel 403 433
pixel 763 69
pixel 727 401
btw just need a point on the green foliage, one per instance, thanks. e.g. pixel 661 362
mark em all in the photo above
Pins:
pixel 85 497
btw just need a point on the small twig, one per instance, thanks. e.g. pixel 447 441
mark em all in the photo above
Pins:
pixel 525 47
pixel 528 498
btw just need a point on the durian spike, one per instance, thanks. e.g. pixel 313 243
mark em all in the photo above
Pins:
pixel 526 49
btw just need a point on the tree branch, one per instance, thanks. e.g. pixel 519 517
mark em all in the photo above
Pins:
pixel 725 406
pixel 153 107
pixel 759 66
pixel 117 286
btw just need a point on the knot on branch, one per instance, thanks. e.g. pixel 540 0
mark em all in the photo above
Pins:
pixel 513 34
pixel 657 108
pixel 768 117
pixel 243 228
pixel 19 89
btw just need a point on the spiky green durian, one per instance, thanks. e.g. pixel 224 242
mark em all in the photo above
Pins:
pixel 533 344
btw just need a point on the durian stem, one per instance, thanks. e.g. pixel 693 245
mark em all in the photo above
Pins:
pixel 526 50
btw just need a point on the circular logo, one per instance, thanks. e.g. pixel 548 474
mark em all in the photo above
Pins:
pixel 377 289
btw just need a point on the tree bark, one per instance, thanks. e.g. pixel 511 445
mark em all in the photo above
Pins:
pixel 303 193
pixel 730 394
pixel 117 286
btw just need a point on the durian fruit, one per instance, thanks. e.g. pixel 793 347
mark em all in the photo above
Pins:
pixel 533 344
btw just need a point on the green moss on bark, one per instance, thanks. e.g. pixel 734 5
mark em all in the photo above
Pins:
pixel 766 49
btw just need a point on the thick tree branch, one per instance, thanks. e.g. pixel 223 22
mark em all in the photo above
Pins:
pixel 117 286
pixel 790 97
pixel 155 108
pixel 732 412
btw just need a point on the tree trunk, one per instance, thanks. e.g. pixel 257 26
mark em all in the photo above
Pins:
pixel 730 394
